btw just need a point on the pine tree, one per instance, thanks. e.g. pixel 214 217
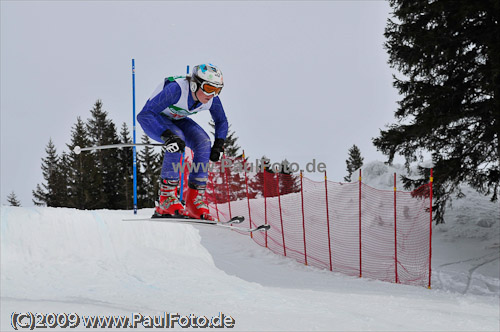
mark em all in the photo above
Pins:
pixel 231 148
pixel 256 183
pixel 12 199
pixel 102 131
pixel 232 180
pixel 126 158
pixel 82 184
pixel 64 174
pixel 448 52
pixel 354 162
pixel 149 174
pixel 54 191
pixel 236 184
pixel 289 182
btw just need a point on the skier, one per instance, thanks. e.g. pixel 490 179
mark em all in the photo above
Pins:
pixel 164 118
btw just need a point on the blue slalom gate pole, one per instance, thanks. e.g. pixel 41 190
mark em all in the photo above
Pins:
pixel 182 162
pixel 133 129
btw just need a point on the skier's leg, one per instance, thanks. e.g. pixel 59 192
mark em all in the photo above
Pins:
pixel 168 171
pixel 169 180
pixel 199 141
pixel 169 203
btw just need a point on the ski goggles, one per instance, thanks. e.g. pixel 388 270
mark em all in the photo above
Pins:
pixel 210 89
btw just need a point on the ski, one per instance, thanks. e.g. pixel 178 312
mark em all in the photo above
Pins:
pixel 233 220
pixel 223 224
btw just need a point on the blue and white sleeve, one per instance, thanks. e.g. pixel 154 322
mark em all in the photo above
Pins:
pixel 150 116
pixel 219 117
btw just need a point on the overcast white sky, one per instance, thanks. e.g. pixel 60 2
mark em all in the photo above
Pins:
pixel 303 80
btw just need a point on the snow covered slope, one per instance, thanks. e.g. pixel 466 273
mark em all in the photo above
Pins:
pixel 466 249
pixel 92 262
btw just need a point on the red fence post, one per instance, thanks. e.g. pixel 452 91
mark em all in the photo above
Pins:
pixel 360 269
pixel 303 216
pixel 214 192
pixel 228 189
pixel 222 185
pixel 281 214
pixel 265 203
pixel 395 234
pixel 328 224
pixel 430 228
pixel 248 196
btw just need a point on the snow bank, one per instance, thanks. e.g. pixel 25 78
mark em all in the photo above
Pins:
pixel 466 249
pixel 467 246
pixel 92 262
pixel 471 217
pixel 66 254
pixel 60 234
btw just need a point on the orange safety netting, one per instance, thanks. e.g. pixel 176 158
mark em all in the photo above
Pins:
pixel 350 228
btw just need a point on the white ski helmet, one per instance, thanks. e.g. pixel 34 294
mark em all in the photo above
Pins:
pixel 207 77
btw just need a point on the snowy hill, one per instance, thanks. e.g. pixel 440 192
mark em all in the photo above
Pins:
pixel 94 263
pixel 466 249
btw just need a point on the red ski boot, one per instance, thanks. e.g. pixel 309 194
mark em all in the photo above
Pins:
pixel 169 206
pixel 195 206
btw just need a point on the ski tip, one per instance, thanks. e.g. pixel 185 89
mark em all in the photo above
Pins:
pixel 233 220
pixel 237 220
pixel 263 228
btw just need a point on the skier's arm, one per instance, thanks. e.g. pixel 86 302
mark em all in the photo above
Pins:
pixel 219 117
pixel 150 116
pixel 221 128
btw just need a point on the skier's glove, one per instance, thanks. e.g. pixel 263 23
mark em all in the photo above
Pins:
pixel 217 148
pixel 173 142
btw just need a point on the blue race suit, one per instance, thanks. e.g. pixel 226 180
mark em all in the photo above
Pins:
pixel 160 114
